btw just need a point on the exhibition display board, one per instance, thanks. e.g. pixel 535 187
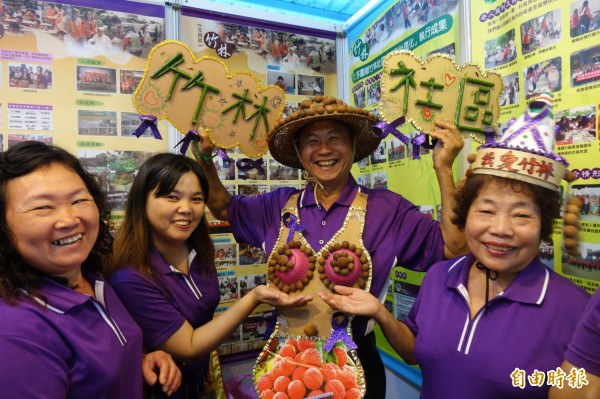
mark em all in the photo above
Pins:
pixel 537 46
pixel 69 71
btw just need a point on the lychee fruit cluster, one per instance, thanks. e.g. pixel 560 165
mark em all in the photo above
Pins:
pixel 300 372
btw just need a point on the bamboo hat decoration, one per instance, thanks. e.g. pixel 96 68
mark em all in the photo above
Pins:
pixel 361 122
pixel 201 93
pixel 525 150
pixel 421 92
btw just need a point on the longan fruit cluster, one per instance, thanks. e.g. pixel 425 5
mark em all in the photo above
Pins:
pixel 571 226
pixel 320 105
pixel 343 264
pixel 281 262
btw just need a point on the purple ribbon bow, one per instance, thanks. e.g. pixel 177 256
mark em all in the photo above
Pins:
pixel 339 334
pixel 246 164
pixel 185 142
pixel 291 222
pixel 271 323
pixel 382 129
pixel 148 121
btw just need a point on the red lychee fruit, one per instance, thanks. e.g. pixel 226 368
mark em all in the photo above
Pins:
pixel 337 388
pixel 313 379
pixel 281 384
pixel 296 390
pixel 265 382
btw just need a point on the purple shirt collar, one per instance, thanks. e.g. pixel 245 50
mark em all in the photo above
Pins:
pixel 64 299
pixel 164 267
pixel 529 286
pixel 346 198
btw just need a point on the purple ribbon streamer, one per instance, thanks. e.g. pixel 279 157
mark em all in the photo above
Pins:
pixel 417 142
pixel 382 129
pixel 490 134
pixel 246 164
pixel 271 323
pixel 185 142
pixel 339 334
pixel 291 222
pixel 221 153
pixel 148 121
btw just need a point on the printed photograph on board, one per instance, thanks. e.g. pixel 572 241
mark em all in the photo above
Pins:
pixel 500 50
pixel 584 17
pixel 96 123
pixel 30 76
pixel 545 76
pixel 541 31
pixel 585 66
pixel 576 125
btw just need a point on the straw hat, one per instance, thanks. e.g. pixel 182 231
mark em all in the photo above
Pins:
pixel 525 150
pixel 320 108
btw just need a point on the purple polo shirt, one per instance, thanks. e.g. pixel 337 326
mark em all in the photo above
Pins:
pixel 395 232
pixel 527 327
pixel 161 307
pixel 584 348
pixel 75 347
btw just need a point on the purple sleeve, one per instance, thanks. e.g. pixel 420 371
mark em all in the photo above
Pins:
pixel 25 362
pixel 584 349
pixel 145 302
pixel 395 224
pixel 253 218
pixel 410 319
pixel 31 349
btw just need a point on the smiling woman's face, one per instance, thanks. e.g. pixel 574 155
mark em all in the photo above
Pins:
pixel 53 219
pixel 503 228
pixel 174 217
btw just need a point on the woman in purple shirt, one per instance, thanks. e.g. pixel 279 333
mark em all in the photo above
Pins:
pixel 495 323
pixel 63 331
pixel 163 269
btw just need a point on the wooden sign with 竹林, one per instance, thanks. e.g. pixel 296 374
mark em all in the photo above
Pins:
pixel 201 94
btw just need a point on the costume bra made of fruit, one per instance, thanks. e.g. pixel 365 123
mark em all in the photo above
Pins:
pixel 310 352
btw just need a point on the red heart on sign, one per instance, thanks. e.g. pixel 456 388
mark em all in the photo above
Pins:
pixel 426 112
pixel 449 79
pixel 261 143
pixel 150 98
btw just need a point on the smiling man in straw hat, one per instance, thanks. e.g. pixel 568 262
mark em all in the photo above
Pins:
pixel 325 137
